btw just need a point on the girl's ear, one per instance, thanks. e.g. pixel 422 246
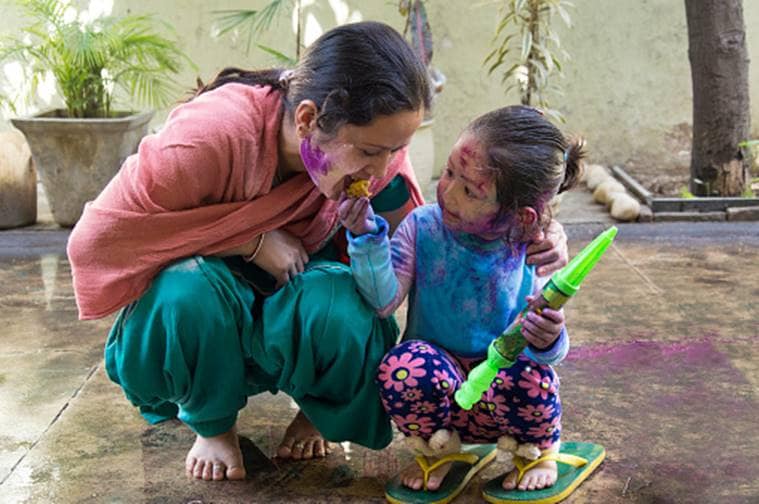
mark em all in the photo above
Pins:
pixel 528 221
pixel 305 118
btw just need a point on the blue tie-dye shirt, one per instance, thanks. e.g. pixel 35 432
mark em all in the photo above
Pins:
pixel 463 291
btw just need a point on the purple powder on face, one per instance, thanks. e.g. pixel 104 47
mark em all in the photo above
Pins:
pixel 314 160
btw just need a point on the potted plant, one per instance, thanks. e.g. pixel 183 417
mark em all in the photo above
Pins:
pixel 77 150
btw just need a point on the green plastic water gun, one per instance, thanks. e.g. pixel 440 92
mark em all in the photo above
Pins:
pixel 503 351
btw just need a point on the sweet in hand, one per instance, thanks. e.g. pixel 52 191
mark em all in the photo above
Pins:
pixel 356 215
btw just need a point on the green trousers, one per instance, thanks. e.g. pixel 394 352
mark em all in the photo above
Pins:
pixel 198 343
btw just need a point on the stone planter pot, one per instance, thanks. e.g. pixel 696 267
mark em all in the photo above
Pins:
pixel 18 182
pixel 76 158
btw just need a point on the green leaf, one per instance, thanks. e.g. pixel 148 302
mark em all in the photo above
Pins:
pixel 278 56
pixel 526 44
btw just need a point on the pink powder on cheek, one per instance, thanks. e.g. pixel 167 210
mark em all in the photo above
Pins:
pixel 314 159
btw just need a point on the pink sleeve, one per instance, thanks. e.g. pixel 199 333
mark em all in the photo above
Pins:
pixel 403 257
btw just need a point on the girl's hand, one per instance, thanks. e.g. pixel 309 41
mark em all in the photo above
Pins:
pixel 549 250
pixel 282 256
pixel 541 330
pixel 356 215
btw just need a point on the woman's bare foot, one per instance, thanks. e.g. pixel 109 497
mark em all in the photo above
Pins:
pixel 216 458
pixel 543 475
pixel 412 476
pixel 302 440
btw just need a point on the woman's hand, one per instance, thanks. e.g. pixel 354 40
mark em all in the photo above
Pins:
pixel 542 329
pixel 356 215
pixel 549 251
pixel 282 256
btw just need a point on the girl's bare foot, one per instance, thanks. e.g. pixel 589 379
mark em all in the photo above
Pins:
pixel 216 458
pixel 543 475
pixel 302 440
pixel 412 475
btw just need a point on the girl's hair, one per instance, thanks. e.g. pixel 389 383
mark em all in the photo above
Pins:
pixel 353 73
pixel 531 158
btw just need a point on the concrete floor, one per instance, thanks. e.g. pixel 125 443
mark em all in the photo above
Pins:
pixel 663 371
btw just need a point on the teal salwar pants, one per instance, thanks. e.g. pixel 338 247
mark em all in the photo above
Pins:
pixel 199 342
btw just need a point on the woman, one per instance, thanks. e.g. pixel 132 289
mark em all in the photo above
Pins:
pixel 219 239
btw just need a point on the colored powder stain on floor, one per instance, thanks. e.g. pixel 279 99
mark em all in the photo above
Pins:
pixel 681 408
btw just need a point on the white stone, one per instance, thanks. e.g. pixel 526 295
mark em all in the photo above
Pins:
pixel 605 189
pixel 624 207
pixel 594 174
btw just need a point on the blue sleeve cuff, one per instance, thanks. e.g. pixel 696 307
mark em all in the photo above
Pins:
pixel 372 265
pixel 554 353
pixel 363 243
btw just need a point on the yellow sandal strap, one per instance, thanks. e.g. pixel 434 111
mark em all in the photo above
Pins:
pixel 563 458
pixel 427 468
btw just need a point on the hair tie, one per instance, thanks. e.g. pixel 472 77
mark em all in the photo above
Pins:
pixel 566 155
pixel 285 77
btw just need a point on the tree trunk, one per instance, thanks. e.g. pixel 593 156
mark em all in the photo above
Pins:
pixel 721 114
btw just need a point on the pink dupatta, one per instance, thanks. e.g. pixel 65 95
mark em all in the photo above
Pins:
pixel 200 186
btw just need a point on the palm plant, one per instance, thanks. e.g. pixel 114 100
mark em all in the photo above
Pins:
pixel 88 60
pixel 255 22
pixel 528 50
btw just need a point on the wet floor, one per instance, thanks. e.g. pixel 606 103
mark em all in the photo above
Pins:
pixel 663 371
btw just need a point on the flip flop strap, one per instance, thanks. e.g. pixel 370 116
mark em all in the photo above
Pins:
pixel 563 458
pixel 427 468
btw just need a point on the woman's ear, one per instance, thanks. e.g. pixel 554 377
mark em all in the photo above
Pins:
pixel 305 118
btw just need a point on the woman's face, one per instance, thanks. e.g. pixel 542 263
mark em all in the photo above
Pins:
pixel 356 152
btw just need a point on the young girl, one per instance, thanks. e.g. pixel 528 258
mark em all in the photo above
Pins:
pixel 462 263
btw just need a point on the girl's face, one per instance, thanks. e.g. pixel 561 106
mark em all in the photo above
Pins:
pixel 467 194
pixel 356 152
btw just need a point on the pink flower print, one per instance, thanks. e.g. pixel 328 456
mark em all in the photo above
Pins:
pixel 423 407
pixel 460 419
pixel 536 414
pixel 414 424
pixel 535 385
pixel 503 381
pixel 399 372
pixel 514 431
pixel 494 403
pixel 422 348
pixel 545 429
pixel 443 380
pixel 412 394
pixel 386 404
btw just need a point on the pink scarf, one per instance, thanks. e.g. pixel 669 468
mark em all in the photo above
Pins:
pixel 201 186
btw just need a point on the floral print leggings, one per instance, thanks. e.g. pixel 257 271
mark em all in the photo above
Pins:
pixel 418 379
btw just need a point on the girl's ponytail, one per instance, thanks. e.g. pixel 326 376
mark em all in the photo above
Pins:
pixel 573 156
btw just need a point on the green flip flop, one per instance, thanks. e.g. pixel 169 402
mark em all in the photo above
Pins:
pixel 575 463
pixel 465 465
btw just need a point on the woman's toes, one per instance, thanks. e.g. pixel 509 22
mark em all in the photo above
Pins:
pixel 320 450
pixel 197 471
pixel 219 471
pixel 189 466
pixel 308 450
pixel 208 471
pixel 235 473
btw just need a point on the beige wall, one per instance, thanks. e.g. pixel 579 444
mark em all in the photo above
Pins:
pixel 627 87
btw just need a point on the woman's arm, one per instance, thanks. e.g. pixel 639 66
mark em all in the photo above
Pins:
pixel 549 253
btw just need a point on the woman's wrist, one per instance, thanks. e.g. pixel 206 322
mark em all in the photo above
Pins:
pixel 252 256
